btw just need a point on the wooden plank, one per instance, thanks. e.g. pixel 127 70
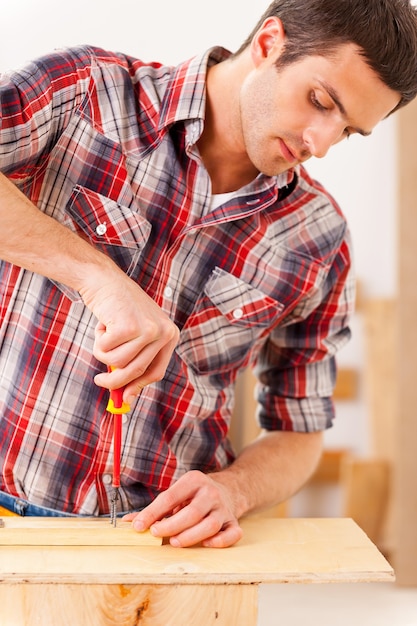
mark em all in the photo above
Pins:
pixel 329 467
pixel 163 586
pixel 346 384
pixel 366 485
pixel 405 558
pixel 108 605
pixel 244 427
pixel 381 397
pixel 70 531
pixel 272 550
pixel 380 374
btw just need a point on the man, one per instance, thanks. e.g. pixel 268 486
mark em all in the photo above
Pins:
pixel 158 220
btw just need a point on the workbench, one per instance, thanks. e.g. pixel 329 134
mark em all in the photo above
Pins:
pixel 104 576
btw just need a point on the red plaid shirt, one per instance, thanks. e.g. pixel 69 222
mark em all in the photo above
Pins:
pixel 106 145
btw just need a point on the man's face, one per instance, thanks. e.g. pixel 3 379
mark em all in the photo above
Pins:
pixel 301 110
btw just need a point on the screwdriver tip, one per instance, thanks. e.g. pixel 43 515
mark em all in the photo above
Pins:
pixel 113 506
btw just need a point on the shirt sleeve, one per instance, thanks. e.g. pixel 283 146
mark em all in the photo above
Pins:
pixel 296 369
pixel 36 104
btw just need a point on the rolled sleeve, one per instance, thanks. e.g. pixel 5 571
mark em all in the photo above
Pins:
pixel 297 366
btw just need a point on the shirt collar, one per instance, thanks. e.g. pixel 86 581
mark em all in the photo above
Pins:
pixel 185 96
pixel 185 100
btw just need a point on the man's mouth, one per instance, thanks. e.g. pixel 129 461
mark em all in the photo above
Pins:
pixel 287 153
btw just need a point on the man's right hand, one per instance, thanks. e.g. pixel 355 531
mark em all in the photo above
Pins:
pixel 133 334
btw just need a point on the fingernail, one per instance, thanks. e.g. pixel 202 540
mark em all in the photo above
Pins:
pixel 174 542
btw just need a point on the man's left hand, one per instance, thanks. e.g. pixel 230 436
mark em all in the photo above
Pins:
pixel 196 509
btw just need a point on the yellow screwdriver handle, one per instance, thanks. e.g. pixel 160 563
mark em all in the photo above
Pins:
pixel 115 404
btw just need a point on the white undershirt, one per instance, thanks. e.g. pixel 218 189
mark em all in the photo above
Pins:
pixel 217 199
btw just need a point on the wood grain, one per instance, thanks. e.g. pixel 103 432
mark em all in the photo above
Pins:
pixel 129 605
pixel 272 550
pixel 70 531
pixel 112 585
pixel 405 419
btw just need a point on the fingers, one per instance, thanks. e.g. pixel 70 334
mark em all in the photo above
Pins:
pixel 194 510
pixel 148 365
pixel 210 530
pixel 140 353
pixel 132 328
pixel 133 333
pixel 227 537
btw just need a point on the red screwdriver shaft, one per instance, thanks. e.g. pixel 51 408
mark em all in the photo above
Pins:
pixel 117 436
pixel 117 407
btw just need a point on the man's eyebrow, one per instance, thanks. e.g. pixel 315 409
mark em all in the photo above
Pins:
pixel 334 96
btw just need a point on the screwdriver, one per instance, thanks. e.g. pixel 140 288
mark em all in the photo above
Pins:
pixel 117 408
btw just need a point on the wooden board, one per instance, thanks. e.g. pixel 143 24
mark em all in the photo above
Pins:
pixel 272 550
pixel 405 471
pixel 329 467
pixel 71 531
pixel 347 384
pixel 366 494
pixel 128 605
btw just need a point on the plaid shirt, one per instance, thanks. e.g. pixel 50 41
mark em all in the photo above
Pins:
pixel 106 145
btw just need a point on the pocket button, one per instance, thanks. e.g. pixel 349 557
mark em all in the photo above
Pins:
pixel 101 229
pixel 237 314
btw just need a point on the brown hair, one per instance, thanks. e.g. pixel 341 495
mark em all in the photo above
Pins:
pixel 385 32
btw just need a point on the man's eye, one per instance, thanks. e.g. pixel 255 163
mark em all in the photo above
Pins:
pixel 316 102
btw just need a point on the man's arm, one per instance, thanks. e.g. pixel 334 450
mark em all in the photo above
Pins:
pixel 133 334
pixel 206 508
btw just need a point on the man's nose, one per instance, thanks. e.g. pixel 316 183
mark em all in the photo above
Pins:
pixel 318 139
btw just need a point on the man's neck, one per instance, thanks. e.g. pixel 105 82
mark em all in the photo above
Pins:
pixel 220 145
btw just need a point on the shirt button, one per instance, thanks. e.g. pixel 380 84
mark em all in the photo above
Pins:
pixel 107 479
pixel 168 291
pixel 237 314
pixel 101 229
pixel 124 418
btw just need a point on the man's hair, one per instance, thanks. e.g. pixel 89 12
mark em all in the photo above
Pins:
pixel 385 31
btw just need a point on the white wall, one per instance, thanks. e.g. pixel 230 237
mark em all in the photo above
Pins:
pixel 360 173
pixel 164 30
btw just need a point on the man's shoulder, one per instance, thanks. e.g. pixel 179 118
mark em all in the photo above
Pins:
pixel 81 56
pixel 73 58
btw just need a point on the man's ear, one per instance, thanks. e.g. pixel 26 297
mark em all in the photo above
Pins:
pixel 269 40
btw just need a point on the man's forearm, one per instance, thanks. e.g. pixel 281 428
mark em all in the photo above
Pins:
pixel 271 469
pixel 133 333
pixel 37 242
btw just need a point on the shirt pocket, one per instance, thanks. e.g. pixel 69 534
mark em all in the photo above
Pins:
pixel 116 230
pixel 227 320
